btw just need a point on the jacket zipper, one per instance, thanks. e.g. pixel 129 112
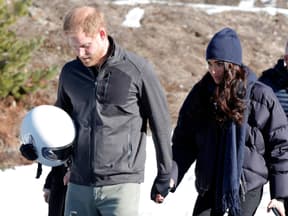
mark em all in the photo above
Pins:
pixel 95 74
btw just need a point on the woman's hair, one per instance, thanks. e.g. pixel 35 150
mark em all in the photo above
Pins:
pixel 229 95
pixel 86 18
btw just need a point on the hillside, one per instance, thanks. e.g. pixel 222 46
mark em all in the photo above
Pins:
pixel 172 36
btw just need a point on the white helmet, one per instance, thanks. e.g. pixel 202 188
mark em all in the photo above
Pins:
pixel 51 131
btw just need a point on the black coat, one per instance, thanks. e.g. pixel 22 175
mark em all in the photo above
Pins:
pixel 277 79
pixel 266 149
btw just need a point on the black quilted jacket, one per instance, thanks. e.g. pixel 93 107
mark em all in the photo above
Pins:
pixel 266 150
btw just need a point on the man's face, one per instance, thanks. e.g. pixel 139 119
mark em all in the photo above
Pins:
pixel 91 50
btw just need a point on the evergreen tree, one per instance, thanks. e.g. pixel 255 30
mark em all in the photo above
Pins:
pixel 14 55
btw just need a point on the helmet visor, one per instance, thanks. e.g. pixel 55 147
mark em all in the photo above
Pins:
pixel 57 154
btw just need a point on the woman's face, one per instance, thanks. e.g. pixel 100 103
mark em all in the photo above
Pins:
pixel 216 69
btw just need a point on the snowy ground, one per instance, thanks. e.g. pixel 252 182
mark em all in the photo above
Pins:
pixel 21 193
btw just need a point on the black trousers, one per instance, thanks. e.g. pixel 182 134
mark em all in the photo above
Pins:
pixel 204 205
pixel 57 199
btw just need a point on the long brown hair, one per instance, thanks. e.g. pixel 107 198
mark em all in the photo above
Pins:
pixel 229 95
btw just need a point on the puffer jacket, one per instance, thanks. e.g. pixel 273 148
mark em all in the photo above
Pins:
pixel 111 107
pixel 266 149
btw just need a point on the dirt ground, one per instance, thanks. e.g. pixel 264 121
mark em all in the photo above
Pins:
pixel 172 36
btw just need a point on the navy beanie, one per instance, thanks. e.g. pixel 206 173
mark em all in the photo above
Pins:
pixel 225 45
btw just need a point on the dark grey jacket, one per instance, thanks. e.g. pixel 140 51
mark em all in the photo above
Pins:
pixel 111 107
pixel 266 150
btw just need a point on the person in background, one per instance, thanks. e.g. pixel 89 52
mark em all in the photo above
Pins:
pixel 235 129
pixel 55 190
pixel 111 94
pixel 277 79
pixel 55 184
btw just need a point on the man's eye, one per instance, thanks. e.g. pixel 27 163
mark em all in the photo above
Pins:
pixel 86 46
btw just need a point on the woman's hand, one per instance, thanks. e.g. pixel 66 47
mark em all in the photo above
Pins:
pixel 279 205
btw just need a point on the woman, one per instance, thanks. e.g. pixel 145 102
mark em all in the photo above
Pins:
pixel 236 131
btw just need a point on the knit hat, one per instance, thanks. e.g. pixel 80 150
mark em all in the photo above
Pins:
pixel 225 45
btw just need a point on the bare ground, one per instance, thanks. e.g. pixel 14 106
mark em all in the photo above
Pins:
pixel 173 38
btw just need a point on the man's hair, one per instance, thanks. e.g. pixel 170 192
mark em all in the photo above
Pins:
pixel 85 18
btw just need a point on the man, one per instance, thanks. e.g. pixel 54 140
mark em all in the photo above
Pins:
pixel 110 94
pixel 277 79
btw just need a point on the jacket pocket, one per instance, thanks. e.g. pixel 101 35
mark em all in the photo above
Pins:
pixel 113 154
pixel 113 88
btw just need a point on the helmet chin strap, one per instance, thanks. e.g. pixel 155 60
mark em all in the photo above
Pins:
pixel 39 171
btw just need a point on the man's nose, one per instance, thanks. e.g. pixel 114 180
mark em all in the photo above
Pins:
pixel 80 52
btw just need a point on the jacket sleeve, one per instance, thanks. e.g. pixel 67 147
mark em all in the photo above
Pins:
pixel 155 107
pixel 63 100
pixel 275 129
pixel 48 181
pixel 184 150
pixel 55 176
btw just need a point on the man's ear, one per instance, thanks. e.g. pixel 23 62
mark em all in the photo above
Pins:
pixel 286 59
pixel 103 33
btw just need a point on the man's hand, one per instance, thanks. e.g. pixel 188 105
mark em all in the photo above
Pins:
pixel 28 151
pixel 162 186
pixel 160 189
pixel 278 205
pixel 159 198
